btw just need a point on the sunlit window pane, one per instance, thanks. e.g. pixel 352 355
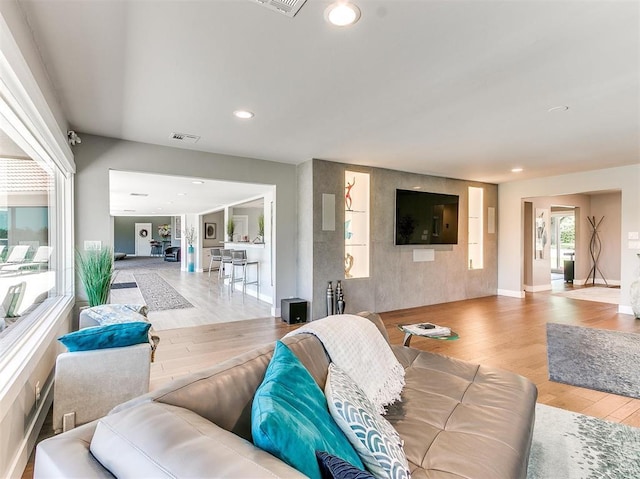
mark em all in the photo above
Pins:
pixel 27 276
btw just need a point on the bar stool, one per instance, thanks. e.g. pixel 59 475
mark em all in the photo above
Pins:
pixel 225 259
pixel 240 261
pixel 216 255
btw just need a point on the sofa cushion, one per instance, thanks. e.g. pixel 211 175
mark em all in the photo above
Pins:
pixel 117 313
pixel 463 418
pixel 375 440
pixel 103 337
pixel 332 467
pixel 290 419
pixel 162 441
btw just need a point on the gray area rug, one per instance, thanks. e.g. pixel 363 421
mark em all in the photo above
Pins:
pixel 144 263
pixel 591 358
pixel 158 294
pixel 567 445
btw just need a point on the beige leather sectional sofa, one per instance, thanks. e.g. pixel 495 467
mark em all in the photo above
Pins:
pixel 457 420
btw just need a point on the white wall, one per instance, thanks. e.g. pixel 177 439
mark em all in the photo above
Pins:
pixel 25 79
pixel 510 214
pixel 97 155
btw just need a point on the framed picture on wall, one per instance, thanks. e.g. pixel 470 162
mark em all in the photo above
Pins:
pixel 210 230
pixel 177 227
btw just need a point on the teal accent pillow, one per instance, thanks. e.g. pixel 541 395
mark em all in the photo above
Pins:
pixel 290 418
pixel 103 337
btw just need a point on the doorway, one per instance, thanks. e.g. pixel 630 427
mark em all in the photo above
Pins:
pixel 144 235
pixel 563 240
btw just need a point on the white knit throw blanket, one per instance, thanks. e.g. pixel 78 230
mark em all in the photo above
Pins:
pixel 355 345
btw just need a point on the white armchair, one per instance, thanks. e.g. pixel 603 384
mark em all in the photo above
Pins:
pixel 88 384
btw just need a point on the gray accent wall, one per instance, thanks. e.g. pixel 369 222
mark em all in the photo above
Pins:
pixel 124 231
pixel 96 155
pixel 396 281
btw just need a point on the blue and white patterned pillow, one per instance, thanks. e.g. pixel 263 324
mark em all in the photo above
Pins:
pixel 106 314
pixel 373 437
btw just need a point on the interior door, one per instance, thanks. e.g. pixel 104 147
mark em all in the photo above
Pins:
pixel 143 238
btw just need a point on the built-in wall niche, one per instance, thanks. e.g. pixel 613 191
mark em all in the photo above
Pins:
pixel 356 225
pixel 476 233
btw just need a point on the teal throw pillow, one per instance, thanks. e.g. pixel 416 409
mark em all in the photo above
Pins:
pixel 290 419
pixel 103 337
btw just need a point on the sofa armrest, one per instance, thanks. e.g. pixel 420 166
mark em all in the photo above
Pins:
pixel 68 455
pixel 163 441
pixel 91 383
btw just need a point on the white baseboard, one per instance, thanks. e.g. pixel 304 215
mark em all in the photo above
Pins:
pixel 32 432
pixel 510 293
pixel 622 309
pixel 537 288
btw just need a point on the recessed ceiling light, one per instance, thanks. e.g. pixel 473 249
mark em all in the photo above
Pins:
pixel 342 14
pixel 558 108
pixel 181 194
pixel 243 114
pixel 198 182
pixel 516 170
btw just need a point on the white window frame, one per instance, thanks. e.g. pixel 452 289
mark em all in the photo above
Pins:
pixel 29 122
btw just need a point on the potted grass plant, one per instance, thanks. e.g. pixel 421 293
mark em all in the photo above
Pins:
pixel 261 228
pixel 231 228
pixel 95 268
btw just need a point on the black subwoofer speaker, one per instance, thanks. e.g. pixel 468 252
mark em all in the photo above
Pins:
pixel 293 310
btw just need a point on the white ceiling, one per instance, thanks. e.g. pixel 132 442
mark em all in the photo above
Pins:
pixel 171 195
pixel 453 88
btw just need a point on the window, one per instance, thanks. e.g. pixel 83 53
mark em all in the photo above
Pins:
pixel 28 255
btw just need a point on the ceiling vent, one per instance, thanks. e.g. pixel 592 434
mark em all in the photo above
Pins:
pixel 183 137
pixel 286 7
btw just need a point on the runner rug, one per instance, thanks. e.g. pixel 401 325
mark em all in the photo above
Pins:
pixel 157 293
pixel 567 445
pixel 594 358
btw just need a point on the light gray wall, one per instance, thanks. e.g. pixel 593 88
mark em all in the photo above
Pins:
pixel 124 231
pixel 396 281
pixel 609 206
pixel 97 155
pixel 510 241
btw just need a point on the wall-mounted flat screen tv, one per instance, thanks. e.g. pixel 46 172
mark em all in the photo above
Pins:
pixel 426 218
